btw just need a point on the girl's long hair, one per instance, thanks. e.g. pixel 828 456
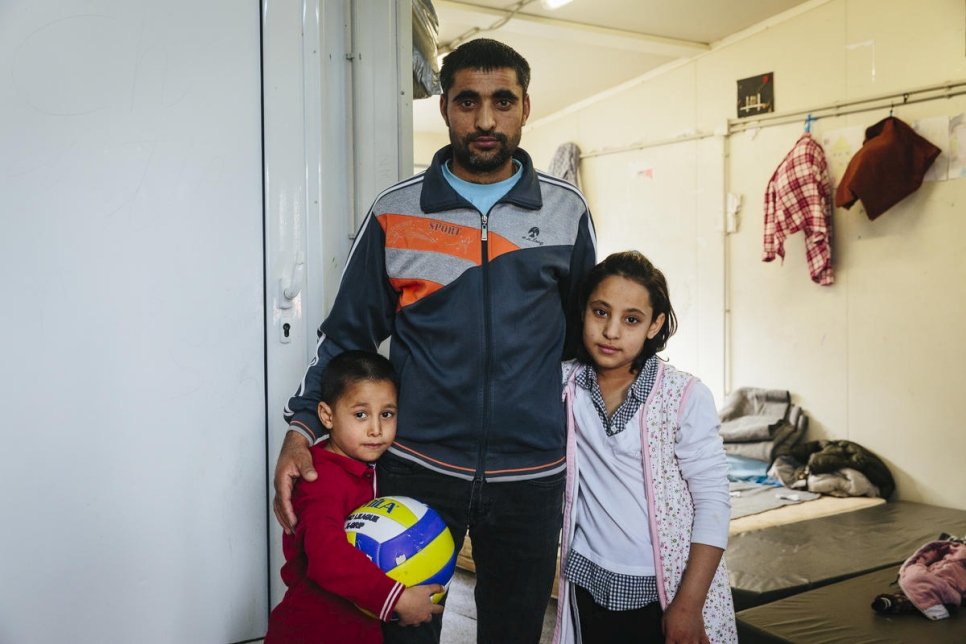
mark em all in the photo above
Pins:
pixel 634 266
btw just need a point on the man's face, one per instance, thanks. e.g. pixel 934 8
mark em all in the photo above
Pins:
pixel 485 112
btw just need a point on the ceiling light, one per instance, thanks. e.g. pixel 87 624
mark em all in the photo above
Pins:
pixel 555 4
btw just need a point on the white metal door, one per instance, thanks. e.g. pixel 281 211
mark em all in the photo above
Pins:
pixel 132 376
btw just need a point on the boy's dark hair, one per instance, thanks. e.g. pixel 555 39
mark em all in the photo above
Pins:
pixel 486 55
pixel 633 266
pixel 351 367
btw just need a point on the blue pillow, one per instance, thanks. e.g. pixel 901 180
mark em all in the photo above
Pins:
pixel 742 468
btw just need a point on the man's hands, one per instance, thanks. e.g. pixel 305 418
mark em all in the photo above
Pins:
pixel 294 462
pixel 415 605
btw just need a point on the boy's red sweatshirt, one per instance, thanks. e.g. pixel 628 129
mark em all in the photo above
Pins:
pixel 328 579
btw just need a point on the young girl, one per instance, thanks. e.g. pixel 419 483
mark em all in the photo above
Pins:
pixel 647 504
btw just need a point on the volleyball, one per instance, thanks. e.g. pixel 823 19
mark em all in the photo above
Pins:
pixel 407 539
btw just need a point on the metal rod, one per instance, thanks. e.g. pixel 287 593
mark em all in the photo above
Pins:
pixel 882 101
pixel 648 144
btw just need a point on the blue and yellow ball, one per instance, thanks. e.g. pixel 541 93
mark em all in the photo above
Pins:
pixel 407 539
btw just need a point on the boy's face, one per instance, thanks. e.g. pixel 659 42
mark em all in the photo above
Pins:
pixel 363 423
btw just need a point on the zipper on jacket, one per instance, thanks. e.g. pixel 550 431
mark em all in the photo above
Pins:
pixel 487 346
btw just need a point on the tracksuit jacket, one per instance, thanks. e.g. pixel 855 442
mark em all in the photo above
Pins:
pixel 477 305
pixel 328 580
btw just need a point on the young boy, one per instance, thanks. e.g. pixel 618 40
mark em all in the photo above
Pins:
pixel 328 579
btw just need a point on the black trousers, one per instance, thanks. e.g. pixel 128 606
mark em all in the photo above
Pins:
pixel 599 624
pixel 515 528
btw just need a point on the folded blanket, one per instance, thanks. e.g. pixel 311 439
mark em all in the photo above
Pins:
pixel 761 423
pixel 780 440
pixel 759 450
pixel 749 428
pixel 752 401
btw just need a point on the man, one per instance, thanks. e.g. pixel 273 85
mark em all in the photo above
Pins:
pixel 472 268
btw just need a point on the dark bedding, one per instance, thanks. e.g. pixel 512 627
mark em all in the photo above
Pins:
pixel 770 564
pixel 840 612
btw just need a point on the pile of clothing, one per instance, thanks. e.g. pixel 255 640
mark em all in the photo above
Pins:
pixel 761 424
pixel 763 429
pixel 836 468
pixel 932 581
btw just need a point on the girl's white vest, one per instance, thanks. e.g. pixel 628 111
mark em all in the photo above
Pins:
pixel 669 505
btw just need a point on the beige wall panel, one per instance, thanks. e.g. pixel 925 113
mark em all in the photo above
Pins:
pixel 425 145
pixel 907 300
pixel 916 44
pixel 666 202
pixel 786 331
pixel 542 141
pixel 807 69
pixel 659 109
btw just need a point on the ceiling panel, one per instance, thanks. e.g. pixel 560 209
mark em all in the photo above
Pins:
pixel 589 46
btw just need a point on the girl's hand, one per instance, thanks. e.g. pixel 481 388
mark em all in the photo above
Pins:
pixel 683 621
pixel 684 624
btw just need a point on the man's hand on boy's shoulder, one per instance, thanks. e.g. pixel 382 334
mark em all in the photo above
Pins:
pixel 415 605
pixel 294 462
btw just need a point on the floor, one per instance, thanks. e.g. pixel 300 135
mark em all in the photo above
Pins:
pixel 459 620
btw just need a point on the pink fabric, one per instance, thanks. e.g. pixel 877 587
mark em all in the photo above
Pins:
pixel 935 575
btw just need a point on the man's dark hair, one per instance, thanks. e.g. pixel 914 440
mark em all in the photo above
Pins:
pixel 486 55
pixel 351 367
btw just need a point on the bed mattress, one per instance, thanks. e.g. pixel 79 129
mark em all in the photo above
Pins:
pixel 841 612
pixel 770 564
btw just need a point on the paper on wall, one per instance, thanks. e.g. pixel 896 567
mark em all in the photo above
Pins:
pixel 840 146
pixel 957 147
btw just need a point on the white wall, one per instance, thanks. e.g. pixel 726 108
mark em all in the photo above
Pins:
pixel 679 230
pixel 876 358
pixel 132 384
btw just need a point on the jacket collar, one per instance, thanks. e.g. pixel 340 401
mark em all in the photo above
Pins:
pixel 437 195
pixel 350 465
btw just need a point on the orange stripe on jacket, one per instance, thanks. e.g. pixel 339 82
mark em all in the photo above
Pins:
pixel 432 460
pixel 407 232
pixel 412 290
pixel 417 233
pixel 500 245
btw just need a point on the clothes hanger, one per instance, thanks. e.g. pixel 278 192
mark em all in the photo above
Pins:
pixel 808 123
pixel 892 107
